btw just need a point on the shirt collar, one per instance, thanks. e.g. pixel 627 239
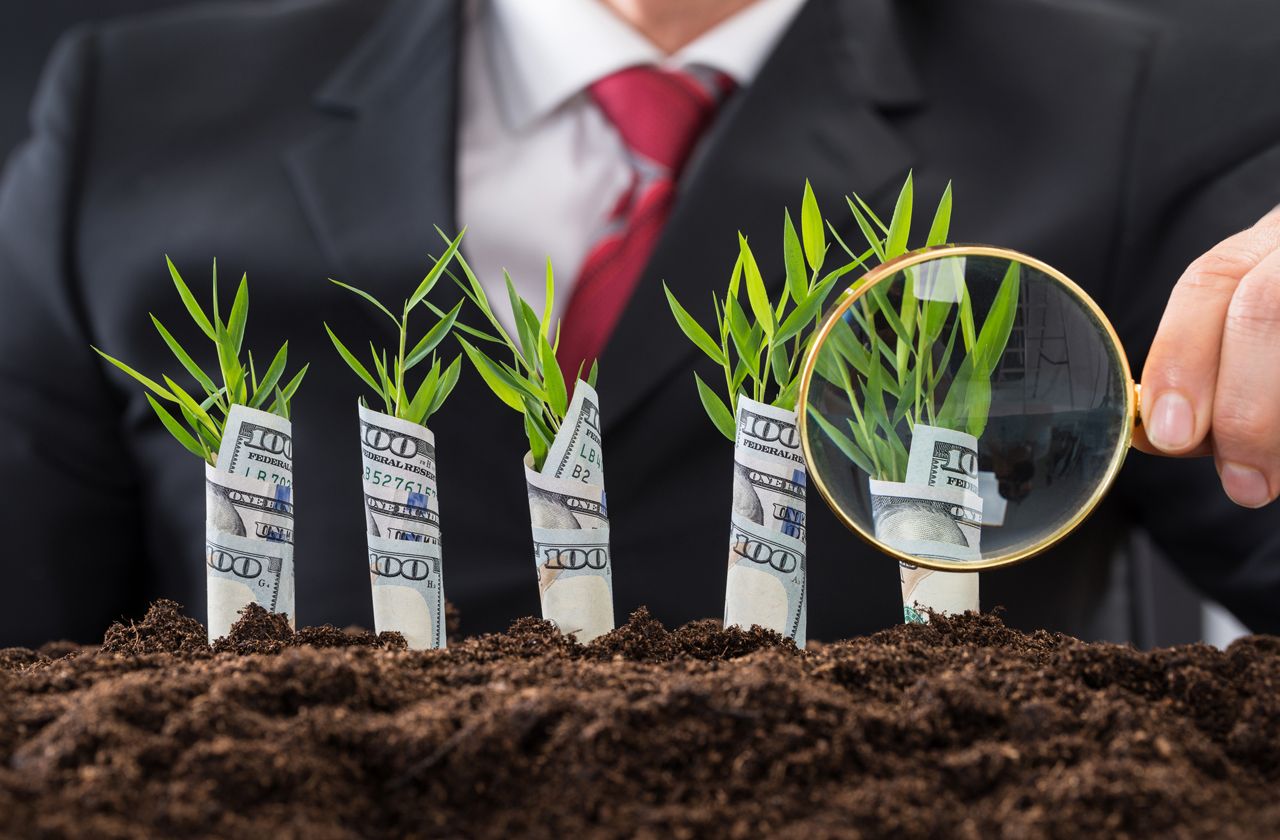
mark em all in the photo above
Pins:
pixel 543 53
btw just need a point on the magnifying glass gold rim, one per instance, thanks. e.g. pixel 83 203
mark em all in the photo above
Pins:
pixel 1131 392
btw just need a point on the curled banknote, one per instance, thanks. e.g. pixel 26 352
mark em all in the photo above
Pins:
pixel 570 522
pixel 402 526
pixel 249 519
pixel 766 578
pixel 935 513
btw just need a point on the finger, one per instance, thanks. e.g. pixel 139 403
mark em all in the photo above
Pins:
pixel 1180 376
pixel 1246 403
pixel 1142 444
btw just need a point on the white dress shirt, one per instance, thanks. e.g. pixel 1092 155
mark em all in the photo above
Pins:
pixel 539 167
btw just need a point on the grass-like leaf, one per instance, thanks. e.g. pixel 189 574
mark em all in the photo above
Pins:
pixel 390 384
pixel 533 382
pixel 205 417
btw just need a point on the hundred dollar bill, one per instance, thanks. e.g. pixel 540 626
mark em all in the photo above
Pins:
pixel 577 452
pixel 245 507
pixel 244 570
pixel 769 506
pixel 249 518
pixel 936 513
pixel 399 473
pixel 767 577
pixel 257 445
pixel 570 521
pixel 408 590
pixel 402 505
pixel 575 580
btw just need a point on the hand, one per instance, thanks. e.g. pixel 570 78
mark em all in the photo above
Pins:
pixel 1211 384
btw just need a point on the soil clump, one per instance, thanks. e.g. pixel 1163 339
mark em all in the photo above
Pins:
pixel 960 728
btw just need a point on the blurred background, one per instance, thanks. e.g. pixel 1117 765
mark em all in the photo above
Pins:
pixel 1166 609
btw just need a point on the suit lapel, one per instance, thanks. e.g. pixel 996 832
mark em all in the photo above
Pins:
pixel 812 113
pixel 378 174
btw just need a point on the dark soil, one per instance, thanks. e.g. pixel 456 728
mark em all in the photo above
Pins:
pixel 962 728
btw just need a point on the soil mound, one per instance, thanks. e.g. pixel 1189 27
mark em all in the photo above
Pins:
pixel 961 728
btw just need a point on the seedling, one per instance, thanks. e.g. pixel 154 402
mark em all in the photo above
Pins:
pixel 390 383
pixel 532 382
pixel 200 431
pixel 761 346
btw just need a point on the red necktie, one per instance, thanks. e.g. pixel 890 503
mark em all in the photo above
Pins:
pixel 660 115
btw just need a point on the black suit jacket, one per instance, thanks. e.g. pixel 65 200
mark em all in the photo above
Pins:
pixel 315 139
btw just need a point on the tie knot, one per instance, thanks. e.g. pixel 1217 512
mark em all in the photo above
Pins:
pixel 660 113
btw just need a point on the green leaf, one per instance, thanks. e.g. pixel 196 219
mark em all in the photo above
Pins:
pixel 851 450
pixel 433 337
pixel 189 403
pixel 873 239
pixel 539 439
pixel 271 377
pixel 548 301
pixel 793 258
pixel 187 362
pixel 552 378
pixel 434 274
pixel 362 293
pixel 941 226
pixel 239 316
pixel 780 365
pixel 811 229
pixel 757 295
pixel 294 384
pixel 595 369
pixel 735 277
pixel 692 330
pixel 716 409
pixel 494 377
pixel 416 410
pixel 189 300
pixel 447 382
pixel 352 362
pixel 994 335
pixel 175 428
pixel 217 313
pixel 900 224
pixel 528 350
pixel 159 390
pixel 871 214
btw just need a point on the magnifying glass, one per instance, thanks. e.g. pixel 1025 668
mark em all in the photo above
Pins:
pixel 965 407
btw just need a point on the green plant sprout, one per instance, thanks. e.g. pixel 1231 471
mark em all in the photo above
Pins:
pixel 532 383
pixel 905 370
pixel 390 383
pixel 761 353
pixel 206 418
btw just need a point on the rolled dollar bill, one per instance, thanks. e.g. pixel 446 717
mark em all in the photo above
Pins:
pixel 936 512
pixel 570 523
pixel 249 519
pixel 767 576
pixel 402 526
pixel 408 590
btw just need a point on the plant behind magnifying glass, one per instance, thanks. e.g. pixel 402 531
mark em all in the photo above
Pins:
pixel 887 351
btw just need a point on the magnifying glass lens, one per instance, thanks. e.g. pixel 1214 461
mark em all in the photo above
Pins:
pixel 966 407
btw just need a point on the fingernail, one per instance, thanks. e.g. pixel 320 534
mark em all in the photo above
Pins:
pixel 1172 421
pixel 1246 486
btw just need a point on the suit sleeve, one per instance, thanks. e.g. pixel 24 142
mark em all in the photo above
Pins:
pixel 70 519
pixel 1204 164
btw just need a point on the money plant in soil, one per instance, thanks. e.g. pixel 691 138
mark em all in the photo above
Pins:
pixel 204 419
pixel 531 383
pixel 761 346
pixel 390 384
